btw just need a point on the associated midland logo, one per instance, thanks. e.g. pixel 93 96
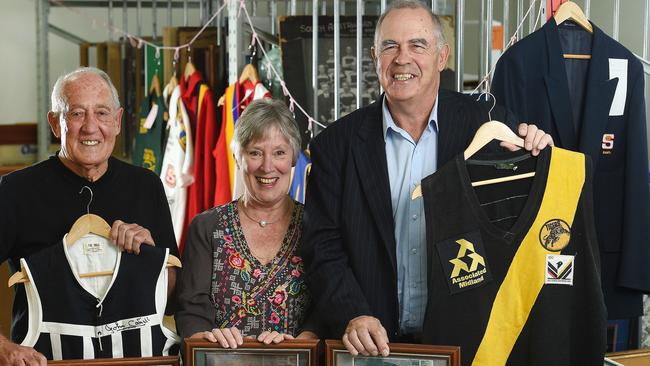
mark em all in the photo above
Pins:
pixel 464 262
pixel 555 235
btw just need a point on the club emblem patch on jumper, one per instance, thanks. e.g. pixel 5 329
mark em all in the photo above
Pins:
pixel 464 262
pixel 608 143
pixel 555 235
pixel 559 269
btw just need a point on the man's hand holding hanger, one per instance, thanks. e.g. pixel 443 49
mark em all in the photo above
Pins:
pixel 535 140
pixel 130 237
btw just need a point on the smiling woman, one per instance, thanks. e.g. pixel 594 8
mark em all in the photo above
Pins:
pixel 242 276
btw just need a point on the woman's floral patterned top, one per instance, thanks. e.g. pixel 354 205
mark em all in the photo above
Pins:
pixel 251 296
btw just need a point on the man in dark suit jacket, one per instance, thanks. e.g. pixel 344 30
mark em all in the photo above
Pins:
pixel 354 249
pixel 597 107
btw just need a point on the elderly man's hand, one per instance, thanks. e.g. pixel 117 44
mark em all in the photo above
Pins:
pixel 12 354
pixel 535 140
pixel 367 336
pixel 130 236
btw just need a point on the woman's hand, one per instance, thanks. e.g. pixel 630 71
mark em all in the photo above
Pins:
pixel 268 337
pixel 226 337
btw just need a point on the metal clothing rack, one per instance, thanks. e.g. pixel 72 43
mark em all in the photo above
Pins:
pixel 236 42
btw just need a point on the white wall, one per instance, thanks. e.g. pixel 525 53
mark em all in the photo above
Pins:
pixel 18 61
pixel 18 46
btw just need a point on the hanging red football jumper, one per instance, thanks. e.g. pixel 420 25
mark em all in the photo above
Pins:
pixel 201 108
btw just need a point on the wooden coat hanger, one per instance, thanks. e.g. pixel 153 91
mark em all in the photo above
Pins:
pixel 86 224
pixel 154 86
pixel 189 70
pixel 249 72
pixel 494 130
pixel 189 66
pixel 172 84
pixel 491 130
pixel 571 11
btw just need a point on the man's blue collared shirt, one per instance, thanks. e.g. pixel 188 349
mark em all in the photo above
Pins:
pixel 408 163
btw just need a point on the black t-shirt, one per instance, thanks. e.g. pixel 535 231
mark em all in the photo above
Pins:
pixel 39 204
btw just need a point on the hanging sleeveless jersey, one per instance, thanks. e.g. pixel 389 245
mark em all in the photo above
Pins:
pixel 299 174
pixel 97 317
pixel 527 293
pixel 177 165
pixel 147 151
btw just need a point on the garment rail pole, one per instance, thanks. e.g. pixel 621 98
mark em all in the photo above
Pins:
pixel 169 13
pixel 201 15
pixel 506 22
pixel 520 16
pixel 125 22
pixel 314 57
pixel 531 18
pixel 359 50
pixel 293 7
pixel 646 27
pixel 460 34
pixel 489 13
pixel 219 21
pixel 110 20
pixel 154 17
pixel 274 15
pixel 185 13
pixel 482 43
pixel 587 8
pixel 337 58
pixel 234 46
pixel 138 16
pixel 42 77
pixel 617 18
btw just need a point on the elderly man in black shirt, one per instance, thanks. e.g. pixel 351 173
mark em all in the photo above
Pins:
pixel 40 203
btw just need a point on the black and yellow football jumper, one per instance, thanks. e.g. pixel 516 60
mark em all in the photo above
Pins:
pixel 514 272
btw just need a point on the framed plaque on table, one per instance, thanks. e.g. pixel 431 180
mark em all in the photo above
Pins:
pixel 295 352
pixel 128 361
pixel 401 354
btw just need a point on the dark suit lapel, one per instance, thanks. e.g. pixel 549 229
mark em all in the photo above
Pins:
pixel 370 158
pixel 557 88
pixel 446 111
pixel 598 99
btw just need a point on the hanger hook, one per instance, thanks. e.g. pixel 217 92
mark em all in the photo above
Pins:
pixel 494 102
pixel 252 48
pixel 91 198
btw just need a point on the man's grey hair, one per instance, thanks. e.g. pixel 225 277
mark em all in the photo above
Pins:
pixel 413 4
pixel 59 99
pixel 258 118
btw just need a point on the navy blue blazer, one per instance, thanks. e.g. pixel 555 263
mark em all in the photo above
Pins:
pixel 348 229
pixel 531 80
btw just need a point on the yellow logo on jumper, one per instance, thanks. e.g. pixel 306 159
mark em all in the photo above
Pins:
pixel 143 130
pixel 459 264
pixel 149 159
